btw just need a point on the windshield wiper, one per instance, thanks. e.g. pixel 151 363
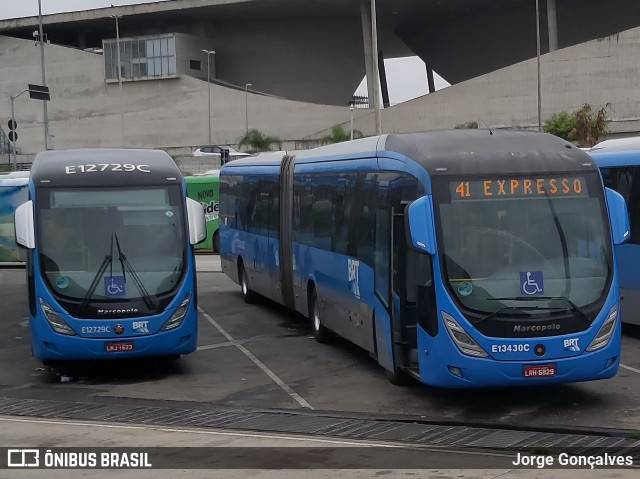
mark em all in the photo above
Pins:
pixel 572 306
pixel 108 259
pixel 124 262
pixel 507 308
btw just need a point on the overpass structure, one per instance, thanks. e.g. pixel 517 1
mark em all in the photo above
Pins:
pixel 305 56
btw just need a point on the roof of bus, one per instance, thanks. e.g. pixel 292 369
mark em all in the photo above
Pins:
pixel 61 167
pixel 15 178
pixel 617 144
pixel 607 158
pixel 450 152
pixel 205 178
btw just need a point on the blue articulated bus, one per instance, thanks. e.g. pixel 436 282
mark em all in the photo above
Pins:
pixel 619 162
pixel 461 258
pixel 110 260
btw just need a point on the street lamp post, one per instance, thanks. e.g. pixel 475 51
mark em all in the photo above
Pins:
pixel 13 120
pixel 246 107
pixel 351 110
pixel 209 53
pixel 44 76
pixel 538 63
pixel 116 18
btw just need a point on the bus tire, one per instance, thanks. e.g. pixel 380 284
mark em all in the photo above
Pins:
pixel 216 242
pixel 397 378
pixel 248 295
pixel 320 332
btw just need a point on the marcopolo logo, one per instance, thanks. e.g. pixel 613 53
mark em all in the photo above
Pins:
pixel 118 311
pixel 536 328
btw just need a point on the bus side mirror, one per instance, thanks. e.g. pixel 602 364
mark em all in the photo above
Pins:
pixel 24 224
pixel 197 223
pixel 421 228
pixel 618 216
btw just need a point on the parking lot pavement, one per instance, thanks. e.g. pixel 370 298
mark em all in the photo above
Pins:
pixel 208 263
pixel 262 357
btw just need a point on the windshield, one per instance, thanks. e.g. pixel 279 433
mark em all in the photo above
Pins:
pixel 517 245
pixel 111 244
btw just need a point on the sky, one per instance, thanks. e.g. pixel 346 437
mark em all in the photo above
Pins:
pixel 406 77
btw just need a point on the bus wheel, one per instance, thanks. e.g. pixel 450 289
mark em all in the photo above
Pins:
pixel 248 295
pixel 319 331
pixel 216 242
pixel 397 378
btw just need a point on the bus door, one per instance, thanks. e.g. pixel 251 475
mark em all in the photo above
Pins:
pixel 404 305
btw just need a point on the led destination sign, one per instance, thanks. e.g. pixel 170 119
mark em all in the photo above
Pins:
pixel 517 188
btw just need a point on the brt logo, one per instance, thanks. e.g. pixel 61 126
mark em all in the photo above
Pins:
pixel 353 267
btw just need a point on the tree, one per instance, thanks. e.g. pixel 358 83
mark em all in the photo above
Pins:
pixel 560 124
pixel 588 127
pixel 339 134
pixel 256 141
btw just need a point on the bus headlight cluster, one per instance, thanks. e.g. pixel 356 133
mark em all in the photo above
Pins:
pixel 464 342
pixel 178 315
pixel 58 324
pixel 606 330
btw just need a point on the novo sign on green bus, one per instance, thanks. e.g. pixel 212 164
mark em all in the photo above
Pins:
pixel 205 190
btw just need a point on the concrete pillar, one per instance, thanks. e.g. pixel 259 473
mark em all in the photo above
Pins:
pixel 430 81
pixel 82 40
pixel 552 22
pixel 383 80
pixel 365 14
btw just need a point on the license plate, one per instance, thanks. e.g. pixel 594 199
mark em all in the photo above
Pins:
pixel 539 371
pixel 118 347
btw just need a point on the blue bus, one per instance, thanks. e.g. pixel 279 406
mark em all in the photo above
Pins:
pixel 460 258
pixel 110 238
pixel 619 162
pixel 13 192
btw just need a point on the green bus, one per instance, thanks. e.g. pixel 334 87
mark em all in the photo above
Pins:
pixel 205 190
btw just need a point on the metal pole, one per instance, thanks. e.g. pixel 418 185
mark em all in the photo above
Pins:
pixel 209 53
pixel 376 72
pixel 13 143
pixel 15 131
pixel 351 110
pixel 246 108
pixel 538 63
pixel 44 77
pixel 119 79
pixel 209 91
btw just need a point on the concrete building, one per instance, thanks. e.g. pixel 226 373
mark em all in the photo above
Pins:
pixel 303 61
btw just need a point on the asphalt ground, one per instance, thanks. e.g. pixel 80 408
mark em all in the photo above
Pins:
pixel 262 357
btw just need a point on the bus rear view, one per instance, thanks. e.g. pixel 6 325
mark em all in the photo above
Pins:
pixel 110 266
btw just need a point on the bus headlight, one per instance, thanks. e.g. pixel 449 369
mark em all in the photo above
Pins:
pixel 58 324
pixel 464 342
pixel 178 315
pixel 606 330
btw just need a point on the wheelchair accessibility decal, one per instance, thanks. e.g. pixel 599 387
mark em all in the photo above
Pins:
pixel 114 286
pixel 531 282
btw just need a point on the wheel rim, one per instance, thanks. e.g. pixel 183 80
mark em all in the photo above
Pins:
pixel 316 317
pixel 244 284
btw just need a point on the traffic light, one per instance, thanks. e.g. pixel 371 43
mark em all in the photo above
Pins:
pixel 13 134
